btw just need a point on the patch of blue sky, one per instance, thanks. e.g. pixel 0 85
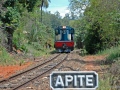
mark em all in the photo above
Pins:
pixel 59 5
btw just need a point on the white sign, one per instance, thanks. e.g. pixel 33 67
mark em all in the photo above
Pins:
pixel 82 80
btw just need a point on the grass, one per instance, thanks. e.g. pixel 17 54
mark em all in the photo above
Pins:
pixel 5 58
pixel 110 80
pixel 104 83
pixel 8 59
pixel 36 53
pixel 112 54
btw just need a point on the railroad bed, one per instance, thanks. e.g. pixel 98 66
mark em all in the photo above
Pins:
pixel 23 78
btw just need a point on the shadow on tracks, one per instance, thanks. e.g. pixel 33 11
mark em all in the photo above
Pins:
pixel 54 52
pixel 97 62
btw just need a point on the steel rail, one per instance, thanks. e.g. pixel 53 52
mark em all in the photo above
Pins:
pixel 19 86
pixel 4 80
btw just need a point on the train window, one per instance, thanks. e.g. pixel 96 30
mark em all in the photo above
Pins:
pixel 72 31
pixel 56 32
pixel 64 31
pixel 71 36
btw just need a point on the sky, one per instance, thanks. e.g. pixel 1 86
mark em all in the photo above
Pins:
pixel 59 5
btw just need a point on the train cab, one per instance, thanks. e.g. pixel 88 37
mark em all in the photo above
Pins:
pixel 64 39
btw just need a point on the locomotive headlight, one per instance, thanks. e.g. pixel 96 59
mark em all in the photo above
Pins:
pixel 64 27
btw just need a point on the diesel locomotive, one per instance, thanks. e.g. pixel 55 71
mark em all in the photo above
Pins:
pixel 64 39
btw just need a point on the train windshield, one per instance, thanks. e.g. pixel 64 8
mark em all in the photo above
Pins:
pixel 64 34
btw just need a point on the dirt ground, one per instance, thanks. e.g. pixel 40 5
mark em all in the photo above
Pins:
pixel 89 60
pixel 73 62
pixel 6 71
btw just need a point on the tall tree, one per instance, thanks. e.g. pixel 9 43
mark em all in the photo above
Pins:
pixel 45 4
pixel 58 14
pixel 78 6
pixel 106 13
pixel 11 16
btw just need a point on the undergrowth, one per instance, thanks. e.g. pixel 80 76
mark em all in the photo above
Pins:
pixel 5 58
pixel 9 59
pixel 104 83
pixel 35 52
pixel 111 79
pixel 113 54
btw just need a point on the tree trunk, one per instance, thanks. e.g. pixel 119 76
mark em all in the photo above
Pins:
pixel 10 37
pixel 41 10
pixel 41 14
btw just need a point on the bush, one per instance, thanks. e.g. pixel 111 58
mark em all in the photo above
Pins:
pixel 37 46
pixel 79 42
pixel 115 74
pixel 5 58
pixel 113 54
pixel 93 42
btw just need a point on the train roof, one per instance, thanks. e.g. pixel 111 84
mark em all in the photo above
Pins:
pixel 64 27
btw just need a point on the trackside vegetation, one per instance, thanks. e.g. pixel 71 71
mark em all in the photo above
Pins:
pixel 110 79
pixel 98 27
pixel 113 54
pixel 26 29
pixel 98 32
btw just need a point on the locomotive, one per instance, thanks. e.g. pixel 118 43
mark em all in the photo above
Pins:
pixel 64 39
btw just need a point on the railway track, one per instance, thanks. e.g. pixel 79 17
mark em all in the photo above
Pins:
pixel 19 80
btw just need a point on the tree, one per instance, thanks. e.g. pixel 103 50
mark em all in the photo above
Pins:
pixel 10 21
pixel 66 19
pixel 58 14
pixel 10 17
pixel 73 16
pixel 104 14
pixel 54 21
pixel 78 6
pixel 93 41
pixel 45 4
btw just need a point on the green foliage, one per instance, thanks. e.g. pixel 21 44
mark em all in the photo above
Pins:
pixel 37 46
pixel 104 83
pixel 28 4
pixel 79 41
pixel 110 79
pixel 113 54
pixel 10 21
pixel 11 18
pixel 32 32
pixel 115 72
pixel 44 3
pixel 106 14
pixel 93 42
pixel 5 58
pixel 80 31
pixel 76 6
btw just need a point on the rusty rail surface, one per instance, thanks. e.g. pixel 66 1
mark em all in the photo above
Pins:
pixel 31 74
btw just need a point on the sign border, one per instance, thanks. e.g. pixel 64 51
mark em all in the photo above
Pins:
pixel 74 72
